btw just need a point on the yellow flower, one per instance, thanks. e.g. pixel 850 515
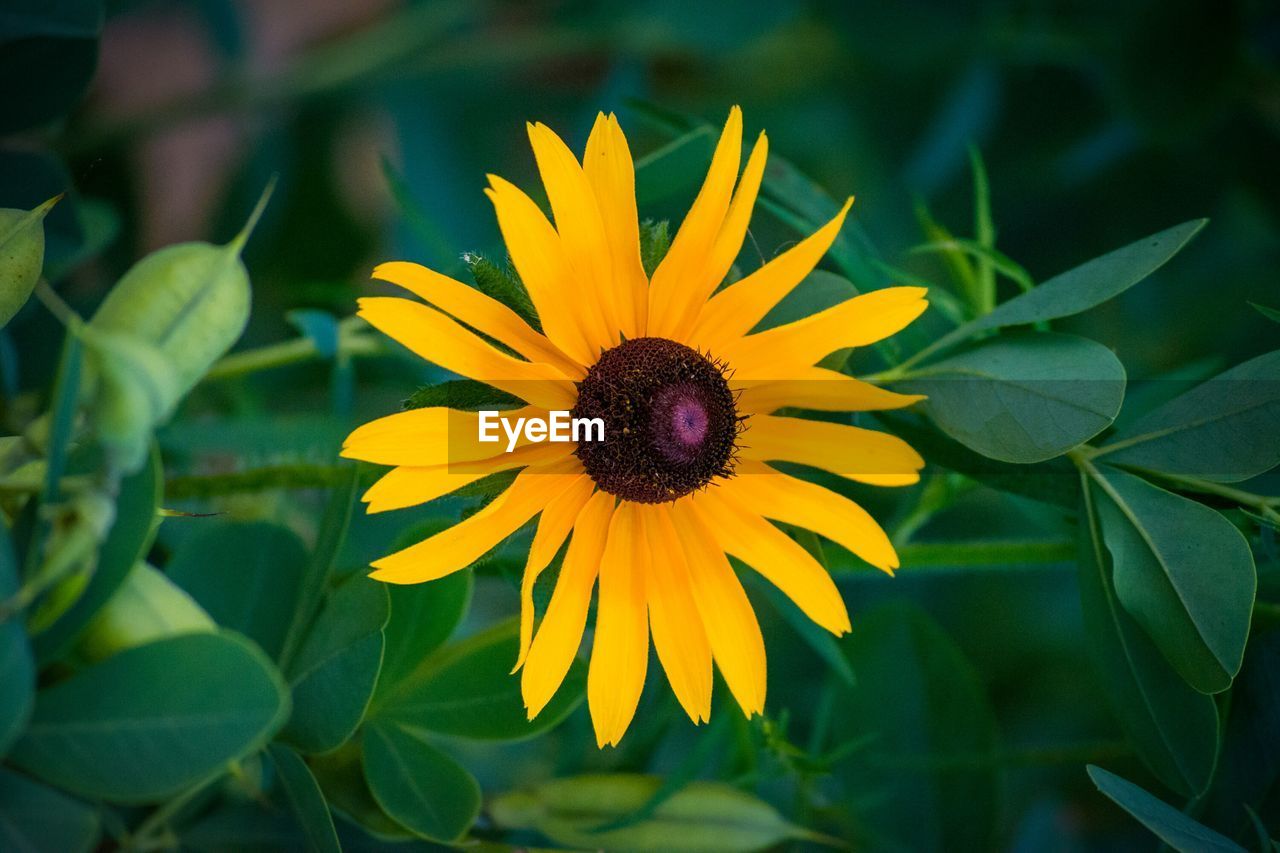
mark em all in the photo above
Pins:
pixel 687 395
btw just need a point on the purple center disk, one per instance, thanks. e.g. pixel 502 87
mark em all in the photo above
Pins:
pixel 689 422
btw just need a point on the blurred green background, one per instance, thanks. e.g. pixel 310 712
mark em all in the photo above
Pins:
pixel 1099 123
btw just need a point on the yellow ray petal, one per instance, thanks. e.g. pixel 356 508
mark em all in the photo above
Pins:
pixel 611 172
pixel 686 260
pixel 775 495
pixel 726 614
pixel 678 635
pixel 864 455
pixel 432 436
pixel 773 554
pixel 728 242
pixel 479 311
pixel 461 545
pixel 560 634
pixel 737 309
pixel 539 257
pixel 554 525
pixel 819 389
pixel 406 486
pixel 442 341
pixel 775 353
pixel 581 233
pixel 620 651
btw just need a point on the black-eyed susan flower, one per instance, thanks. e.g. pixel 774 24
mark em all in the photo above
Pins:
pixel 687 393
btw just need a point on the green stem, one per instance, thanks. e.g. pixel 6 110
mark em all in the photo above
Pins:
pixel 144 837
pixel 293 476
pixel 352 341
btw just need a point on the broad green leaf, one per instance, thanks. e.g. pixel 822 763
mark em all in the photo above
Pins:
pixel 1222 430
pixel 126 543
pixel 1169 825
pixel 703 816
pixel 918 701
pixel 152 720
pixel 818 639
pixel 1173 727
pixel 417 784
pixel 655 240
pixel 306 799
pixel 48 52
pixel 35 818
pixel 679 166
pixel 147 607
pixel 1023 397
pixel 467 689
pixel 1183 572
pixel 1083 287
pixel 21 256
pixel 423 616
pixel 336 669
pixel 341 777
pixel 818 291
pixel 17 667
pixel 245 575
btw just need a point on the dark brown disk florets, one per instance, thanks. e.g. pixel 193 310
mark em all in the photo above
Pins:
pixel 670 424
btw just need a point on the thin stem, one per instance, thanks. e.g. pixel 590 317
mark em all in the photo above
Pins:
pixel 352 341
pixel 295 476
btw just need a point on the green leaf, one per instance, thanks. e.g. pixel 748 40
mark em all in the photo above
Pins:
pixel 1024 397
pixel 1169 825
pixel 417 784
pixel 48 52
pixel 1183 572
pixel 461 394
pixel 1173 727
pixel 155 719
pixel 21 256
pixel 1083 287
pixel 675 168
pixel 17 667
pixel 342 779
pixel 702 816
pixel 126 543
pixel 503 284
pixel 918 703
pixel 35 818
pixel 147 607
pixel 467 689
pixel 336 668
pixel 818 291
pixel 1222 430
pixel 818 639
pixel 245 575
pixel 1269 313
pixel 423 616
pixel 655 240
pixel 306 799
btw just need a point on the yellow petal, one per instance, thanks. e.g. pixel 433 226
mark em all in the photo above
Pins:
pixel 461 545
pixel 727 617
pixel 864 455
pixel 560 634
pixel 819 389
pixel 728 242
pixel 435 337
pixel 793 501
pixel 773 554
pixel 539 257
pixel 406 486
pixel 479 311
pixel 686 260
pixel 775 353
pixel 620 651
pixel 678 635
pixel 737 309
pixel 554 525
pixel 611 172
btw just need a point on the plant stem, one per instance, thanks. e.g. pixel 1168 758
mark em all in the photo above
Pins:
pixel 294 476
pixel 351 342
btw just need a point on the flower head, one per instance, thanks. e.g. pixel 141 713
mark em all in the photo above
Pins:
pixel 686 391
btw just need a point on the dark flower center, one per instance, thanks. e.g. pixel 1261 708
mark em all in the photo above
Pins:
pixel 670 424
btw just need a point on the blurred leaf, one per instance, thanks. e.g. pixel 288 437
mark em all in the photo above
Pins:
pixel 467 394
pixel 99 227
pixel 1023 397
pixel 147 607
pixel 126 543
pixel 342 779
pixel 1173 727
pixel 503 284
pixel 818 291
pixel 336 669
pixel 246 575
pixel 655 240
pixel 818 639
pixel 675 168
pixel 154 719
pixel 1083 287
pixel 467 690
pixel 423 616
pixel 1222 430
pixel 238 825
pixel 321 327
pixel 35 818
pixel 17 667
pixel 984 255
pixel 22 252
pixel 424 228
pixel 984 229
pixel 417 784
pixel 49 51
pixel 1170 825
pixel 1183 572
pixel 1269 313
pixel 919 704
pixel 306 799
pixel 703 816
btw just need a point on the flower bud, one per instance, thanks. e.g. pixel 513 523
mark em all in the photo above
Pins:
pixel 147 607
pixel 21 255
